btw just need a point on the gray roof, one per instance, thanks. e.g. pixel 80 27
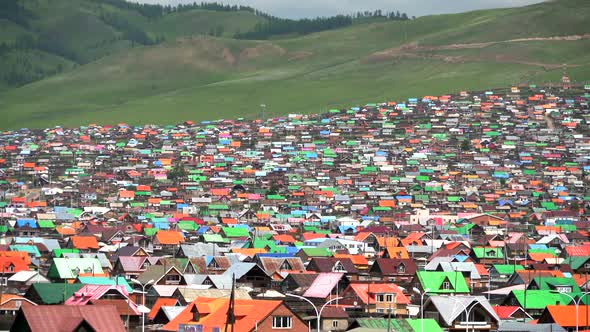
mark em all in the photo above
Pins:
pixel 172 311
pixel 526 327
pixel 239 269
pixel 200 249
pixel 451 307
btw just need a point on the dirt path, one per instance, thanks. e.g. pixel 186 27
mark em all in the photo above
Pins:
pixel 413 50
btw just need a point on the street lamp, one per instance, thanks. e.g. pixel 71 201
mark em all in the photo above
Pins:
pixel 467 311
pixel 577 304
pixel 137 282
pixel 318 314
pixel 416 290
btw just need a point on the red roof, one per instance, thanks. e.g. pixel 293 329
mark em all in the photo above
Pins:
pixel 505 312
pixel 367 292
pixel 161 302
pixel 101 318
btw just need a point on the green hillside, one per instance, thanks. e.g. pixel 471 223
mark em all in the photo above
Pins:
pixel 75 32
pixel 204 77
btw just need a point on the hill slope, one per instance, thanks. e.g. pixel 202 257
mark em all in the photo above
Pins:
pixel 206 78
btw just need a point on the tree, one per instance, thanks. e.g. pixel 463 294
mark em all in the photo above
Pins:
pixel 177 173
pixel 465 145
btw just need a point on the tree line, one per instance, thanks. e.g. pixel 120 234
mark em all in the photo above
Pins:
pixel 156 11
pixel 279 26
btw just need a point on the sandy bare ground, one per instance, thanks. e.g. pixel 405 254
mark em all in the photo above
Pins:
pixel 414 50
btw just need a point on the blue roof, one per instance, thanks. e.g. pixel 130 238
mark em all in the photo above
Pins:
pixel 26 222
pixel 344 228
pixel 162 225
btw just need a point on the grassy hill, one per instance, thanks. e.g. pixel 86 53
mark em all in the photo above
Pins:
pixel 67 33
pixel 203 77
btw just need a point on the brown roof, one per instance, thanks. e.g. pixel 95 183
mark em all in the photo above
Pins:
pixel 326 264
pixel 389 266
pixel 57 318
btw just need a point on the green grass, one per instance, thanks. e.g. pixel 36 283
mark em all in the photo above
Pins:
pixel 208 78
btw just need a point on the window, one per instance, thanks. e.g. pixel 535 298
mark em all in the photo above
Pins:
pixel 380 297
pixel 389 298
pixel 282 322
pixel 3 281
pixel 564 289
pixel 10 268
pixel 338 267
pixel 380 310
pixel 334 323
pixel 286 266
pixel 401 268
pixel 446 285
pixel 173 278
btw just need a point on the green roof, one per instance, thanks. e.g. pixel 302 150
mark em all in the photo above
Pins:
pixel 488 252
pixel 150 231
pixel 317 252
pixel 59 252
pixel 53 293
pixel 434 280
pixel 214 238
pixel 26 248
pixel 539 299
pixel 105 281
pixel 552 283
pixel 67 268
pixel 507 268
pixel 46 224
pixel 235 231
pixel 576 261
pixel 399 325
pixel 187 225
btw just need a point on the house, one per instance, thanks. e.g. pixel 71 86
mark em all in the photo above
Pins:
pixel 67 318
pixel 438 282
pixel 69 268
pixel 376 298
pixel 250 315
pixel 564 316
pixel 23 279
pixel 331 264
pixel 162 275
pixel 334 318
pixel 397 270
pixel 51 293
pixel 10 304
pixel 462 312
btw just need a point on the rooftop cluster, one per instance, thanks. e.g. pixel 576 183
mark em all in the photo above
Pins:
pixel 454 212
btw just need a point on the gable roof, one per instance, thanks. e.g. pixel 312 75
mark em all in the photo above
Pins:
pixel 367 292
pixel 169 237
pixel 101 318
pixel 451 307
pixel 212 313
pixel 433 280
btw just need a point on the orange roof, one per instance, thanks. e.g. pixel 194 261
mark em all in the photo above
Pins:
pixel 65 230
pixel 356 259
pixel 397 252
pixel 212 313
pixel 169 237
pixel 251 252
pixel 126 194
pixel 564 317
pixel 23 255
pixel 84 242
pixel 161 302
pixel 284 238
pixel 13 302
pixel 229 221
